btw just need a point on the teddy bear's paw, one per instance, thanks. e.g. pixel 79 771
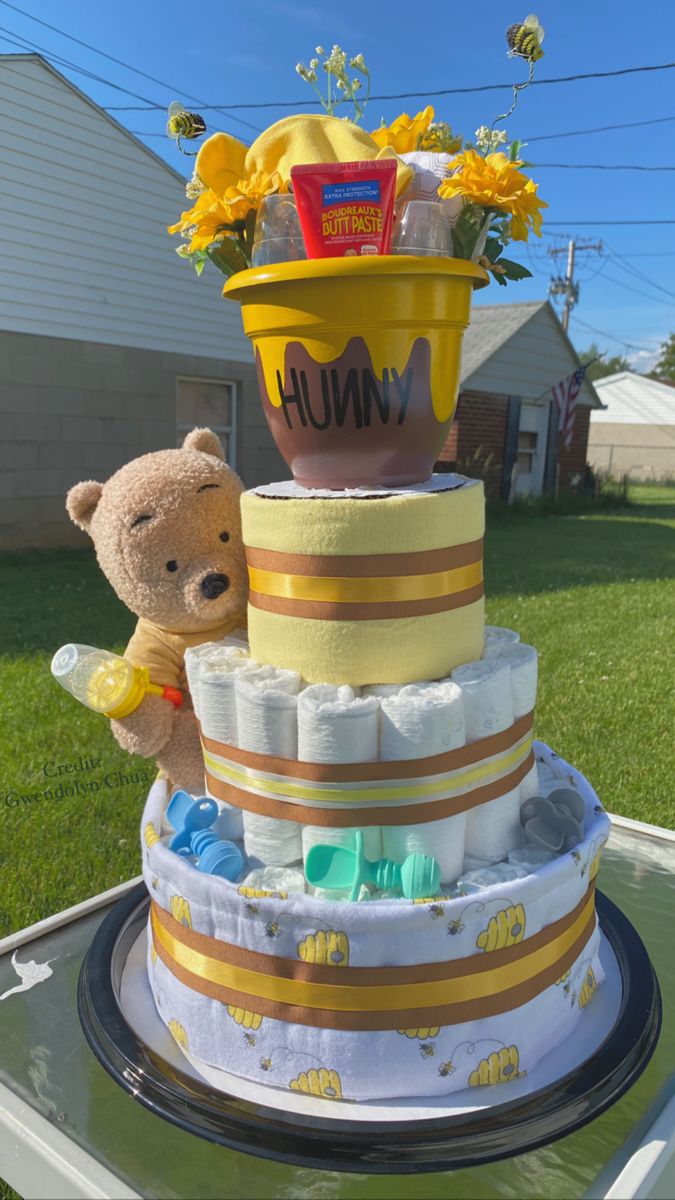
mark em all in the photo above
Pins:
pixel 181 756
pixel 147 729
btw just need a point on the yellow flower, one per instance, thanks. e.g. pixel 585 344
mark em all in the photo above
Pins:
pixel 203 222
pixel 247 193
pixel 403 133
pixel 220 162
pixel 495 182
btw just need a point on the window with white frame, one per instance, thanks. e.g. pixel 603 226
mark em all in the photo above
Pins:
pixel 527 448
pixel 211 403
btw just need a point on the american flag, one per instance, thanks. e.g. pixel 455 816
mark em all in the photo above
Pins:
pixel 565 399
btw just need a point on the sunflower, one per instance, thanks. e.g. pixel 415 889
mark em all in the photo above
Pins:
pixel 404 133
pixel 494 182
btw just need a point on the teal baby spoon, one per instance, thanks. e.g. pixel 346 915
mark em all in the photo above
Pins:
pixel 340 867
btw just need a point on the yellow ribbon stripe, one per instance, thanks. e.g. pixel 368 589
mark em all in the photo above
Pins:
pixel 372 590
pixel 248 780
pixel 390 998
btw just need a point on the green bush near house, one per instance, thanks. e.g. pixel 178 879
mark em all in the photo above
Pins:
pixel 591 589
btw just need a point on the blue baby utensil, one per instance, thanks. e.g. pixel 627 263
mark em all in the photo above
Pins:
pixel 188 816
pixel 217 857
pixel 339 867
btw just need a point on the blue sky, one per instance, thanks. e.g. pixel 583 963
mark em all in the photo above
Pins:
pixel 232 53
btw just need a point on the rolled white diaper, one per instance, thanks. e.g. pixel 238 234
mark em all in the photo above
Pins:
pixel 418 721
pixel 530 785
pixel 216 704
pixel 522 660
pixel 335 726
pixel 487 697
pixel 267 711
pixel 498 635
pixel 494 828
pixel 267 723
pixel 216 665
pixel 443 840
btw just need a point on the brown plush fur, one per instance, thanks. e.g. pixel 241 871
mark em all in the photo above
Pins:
pixel 184 517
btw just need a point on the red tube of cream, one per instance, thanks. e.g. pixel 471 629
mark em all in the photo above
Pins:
pixel 345 208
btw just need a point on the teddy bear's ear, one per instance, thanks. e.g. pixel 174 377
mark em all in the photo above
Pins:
pixel 205 440
pixel 81 502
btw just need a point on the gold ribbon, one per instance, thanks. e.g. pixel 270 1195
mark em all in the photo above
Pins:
pixel 477 983
pixel 369 590
pixel 251 780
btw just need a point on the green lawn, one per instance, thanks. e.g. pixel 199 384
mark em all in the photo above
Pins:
pixel 592 592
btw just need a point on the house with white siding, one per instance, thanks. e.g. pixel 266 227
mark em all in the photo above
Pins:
pixel 109 344
pixel 634 433
pixel 111 347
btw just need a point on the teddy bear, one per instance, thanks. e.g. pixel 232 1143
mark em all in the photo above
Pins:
pixel 167 533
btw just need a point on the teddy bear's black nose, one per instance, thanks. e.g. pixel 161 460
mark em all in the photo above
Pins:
pixel 214 586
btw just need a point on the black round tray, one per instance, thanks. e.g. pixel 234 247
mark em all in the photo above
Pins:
pixel 393 1147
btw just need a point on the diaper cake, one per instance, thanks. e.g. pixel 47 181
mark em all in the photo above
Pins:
pixel 383 887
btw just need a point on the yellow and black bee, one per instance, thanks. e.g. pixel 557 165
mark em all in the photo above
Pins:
pixel 455 927
pixel 183 124
pixel 254 909
pixel 249 1038
pixel 576 856
pixel 525 39
pixel 436 911
pixel 446 1068
pixel 427 1049
pixel 272 929
pixel 266 1064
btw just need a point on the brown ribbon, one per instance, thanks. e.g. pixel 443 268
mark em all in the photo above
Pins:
pixel 393 976
pixel 336 818
pixel 362 566
pixel 409 768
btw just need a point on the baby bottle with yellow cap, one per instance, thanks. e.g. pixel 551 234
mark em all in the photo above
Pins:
pixel 105 682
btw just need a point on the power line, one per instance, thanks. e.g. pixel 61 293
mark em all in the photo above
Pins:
pixel 25 44
pixel 546 137
pixel 611 336
pixel 598 167
pixel 638 274
pixel 535 166
pixel 636 291
pixel 659 221
pixel 52 56
pixel 462 91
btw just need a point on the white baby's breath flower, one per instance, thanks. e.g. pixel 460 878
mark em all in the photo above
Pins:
pixel 194 187
pixel 358 62
pixel 319 50
pixel 488 140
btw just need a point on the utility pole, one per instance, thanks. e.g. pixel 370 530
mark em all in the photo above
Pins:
pixel 566 285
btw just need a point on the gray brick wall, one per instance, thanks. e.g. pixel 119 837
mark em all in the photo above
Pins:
pixel 79 410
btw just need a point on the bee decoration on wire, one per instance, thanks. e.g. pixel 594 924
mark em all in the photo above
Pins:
pixel 455 927
pixel 183 124
pixel 445 1069
pixel 525 38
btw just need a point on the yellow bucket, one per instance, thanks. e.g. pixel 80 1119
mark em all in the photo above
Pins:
pixel 358 362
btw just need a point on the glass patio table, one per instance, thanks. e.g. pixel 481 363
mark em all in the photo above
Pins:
pixel 66 1128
